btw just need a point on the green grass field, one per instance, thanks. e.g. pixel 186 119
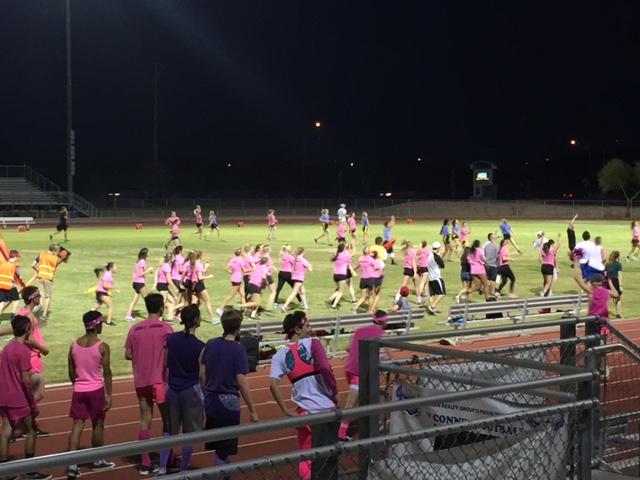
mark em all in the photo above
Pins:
pixel 92 247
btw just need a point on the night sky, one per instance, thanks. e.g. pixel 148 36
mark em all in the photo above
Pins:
pixel 242 83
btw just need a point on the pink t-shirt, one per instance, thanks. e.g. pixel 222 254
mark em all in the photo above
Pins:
pixel 503 254
pixel 187 270
pixel 352 223
pixel 269 264
pixel 193 272
pixel 635 233
pixel 257 274
pixel 368 267
pixel 423 258
pixel 175 230
pixel 476 262
pixel 105 283
pixel 343 260
pixel 247 264
pixel 14 359
pixel 271 219
pixel 300 264
pixel 36 336
pixel 235 265
pixel 147 341
pixel 198 218
pixel 164 273
pixel 464 233
pixel 176 269
pixel 172 220
pixel 549 258
pixel 342 230
pixel 600 297
pixel 352 363
pixel 88 362
pixel 409 258
pixel 140 267
pixel 286 262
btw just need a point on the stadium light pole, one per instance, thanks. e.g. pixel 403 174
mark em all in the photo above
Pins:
pixel 71 149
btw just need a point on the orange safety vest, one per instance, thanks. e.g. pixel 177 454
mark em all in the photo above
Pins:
pixel 47 264
pixel 302 367
pixel 7 273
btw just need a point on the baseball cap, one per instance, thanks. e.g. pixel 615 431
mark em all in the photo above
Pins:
pixel 436 245
pixel 343 205
pixel 14 254
pixel 404 291
pixel 539 233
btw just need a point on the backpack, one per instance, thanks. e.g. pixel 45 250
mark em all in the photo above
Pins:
pixel 251 344
pixel 493 315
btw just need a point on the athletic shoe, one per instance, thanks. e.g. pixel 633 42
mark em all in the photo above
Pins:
pixel 215 321
pixel 73 472
pixel 102 465
pixel 51 238
pixel 36 476
pixel 316 240
pixel 419 299
pixel 220 311
pixel 397 297
pixel 254 313
pixel 110 324
pixel 627 259
pixel 41 433
pixel 148 470
pixel 346 438
pixel 285 309
pixel 431 310
pixel 129 318
pixel 618 316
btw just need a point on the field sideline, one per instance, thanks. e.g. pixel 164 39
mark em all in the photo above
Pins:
pixel 92 247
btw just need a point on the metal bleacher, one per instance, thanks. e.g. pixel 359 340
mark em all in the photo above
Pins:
pixel 22 190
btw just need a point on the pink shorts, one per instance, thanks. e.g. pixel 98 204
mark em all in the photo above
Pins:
pixel 88 405
pixel 353 381
pixel 15 414
pixel 152 393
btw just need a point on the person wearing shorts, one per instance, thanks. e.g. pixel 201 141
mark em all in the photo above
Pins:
pixel 213 224
pixel 90 373
pixel 272 223
pixel 63 224
pixel 224 386
pixel 139 282
pixel 313 385
pixel 324 221
pixel 18 408
pixel 368 267
pixel 341 269
pixel 613 269
pixel 364 221
pixel 257 281
pixel 300 266
pixel 491 252
pixel 185 393
pixel 352 363
pixel 548 254
pixel 46 266
pixel 145 347
pixel 437 289
pixel 9 275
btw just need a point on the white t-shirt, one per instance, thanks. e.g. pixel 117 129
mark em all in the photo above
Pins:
pixel 586 246
pixel 595 258
pixel 309 393
pixel 342 214
pixel 433 268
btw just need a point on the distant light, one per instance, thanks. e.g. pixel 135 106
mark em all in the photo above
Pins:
pixel 573 142
pixel 388 194
pixel 352 164
pixel 114 194
pixel 419 159
pixel 228 164
pixel 317 124
pixel 546 159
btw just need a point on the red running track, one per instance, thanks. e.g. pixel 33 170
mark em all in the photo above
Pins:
pixel 122 419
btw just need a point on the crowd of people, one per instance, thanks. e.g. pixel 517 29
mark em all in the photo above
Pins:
pixel 179 373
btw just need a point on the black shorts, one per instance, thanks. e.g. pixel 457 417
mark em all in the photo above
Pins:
pixel 506 236
pixel 199 225
pixel 465 276
pixel 178 285
pixel 174 238
pixel 213 225
pixel 616 284
pixel 253 289
pixel 61 227
pixel 236 284
pixel 635 242
pixel 422 270
pixel 367 284
pixel 353 232
pixel 349 275
pixel 9 295
pixel 285 277
pixel 325 226
pixel 408 272
pixel 437 287
pixel 223 448
pixel 340 239
pixel 377 282
pixel 137 286
pixel 162 287
pixel 99 296
pixel 269 279
pixel 447 239
pixel 365 229
pixel 492 273
pixel 199 287
pixel 338 277
pixel 546 269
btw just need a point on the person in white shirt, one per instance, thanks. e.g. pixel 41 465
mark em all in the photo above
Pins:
pixel 585 246
pixel 597 257
pixel 437 289
pixel 342 213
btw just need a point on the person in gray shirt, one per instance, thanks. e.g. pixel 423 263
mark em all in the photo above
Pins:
pixel 491 251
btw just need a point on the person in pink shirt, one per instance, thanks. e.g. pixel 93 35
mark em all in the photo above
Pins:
pixel 464 234
pixel 105 285
pixel 352 363
pixel 18 408
pixel 271 269
pixel 177 269
pixel 145 347
pixel 409 266
pixel 635 242
pixel 195 271
pixel 353 228
pixel 548 254
pixel 370 269
pixel 422 265
pixel 272 223
pixel 600 291
pixel 475 258
pixel 284 273
pixel 89 366
pixel 341 231
pixel 300 265
pixel 234 267
pixel 341 270
pixel 163 278
pixel 197 213
pixel 247 265
pixel 174 229
pixel 504 268
pixel 139 282
pixel 257 282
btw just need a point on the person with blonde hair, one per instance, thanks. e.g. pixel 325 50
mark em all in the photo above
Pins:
pixel 300 265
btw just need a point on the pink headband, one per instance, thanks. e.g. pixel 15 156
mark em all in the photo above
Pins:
pixel 94 323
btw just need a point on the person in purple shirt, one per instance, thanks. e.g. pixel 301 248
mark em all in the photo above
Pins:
pixel 185 392
pixel 223 370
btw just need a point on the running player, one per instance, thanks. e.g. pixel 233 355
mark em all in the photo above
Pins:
pixel 341 231
pixel 478 267
pixel 163 277
pixel 272 223
pixel 177 269
pixel 422 264
pixel 324 221
pixel 409 266
pixel 300 265
pixel 234 267
pixel 195 273
pixel 507 234
pixel 63 224
pixel 365 227
pixel 139 282
pixel 266 253
pixel 342 264
pixel 635 242
pixel 464 235
pixel 387 238
pixel 105 285
pixel 548 254
pixel 284 274
pixel 213 223
pixel 353 227
pixel 9 280
pixel 197 213
pixel 174 230
pixel 369 270
pixel 46 265
pixel 257 281
pixel 504 268
pixel 445 234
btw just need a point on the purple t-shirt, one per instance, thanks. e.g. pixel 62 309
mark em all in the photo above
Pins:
pixel 223 359
pixel 183 352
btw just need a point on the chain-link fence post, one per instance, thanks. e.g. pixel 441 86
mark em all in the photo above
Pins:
pixel 593 362
pixel 368 394
pixel 324 468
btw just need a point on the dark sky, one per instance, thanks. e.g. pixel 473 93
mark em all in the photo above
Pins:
pixel 242 82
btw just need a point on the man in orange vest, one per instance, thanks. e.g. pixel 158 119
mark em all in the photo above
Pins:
pixel 45 266
pixel 9 278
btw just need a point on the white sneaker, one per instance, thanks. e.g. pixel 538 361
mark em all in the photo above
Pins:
pixel 397 297
pixel 129 318
pixel 220 311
